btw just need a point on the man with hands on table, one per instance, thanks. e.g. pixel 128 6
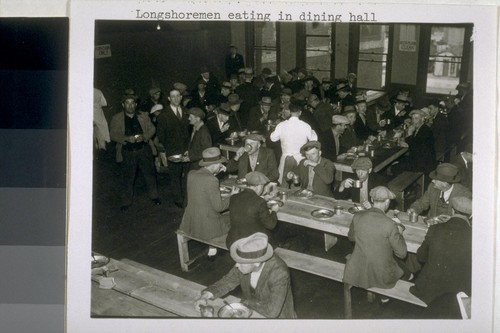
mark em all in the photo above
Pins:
pixel 362 166
pixel 263 276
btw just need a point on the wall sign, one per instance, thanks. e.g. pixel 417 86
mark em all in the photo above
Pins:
pixel 102 51
pixel 407 39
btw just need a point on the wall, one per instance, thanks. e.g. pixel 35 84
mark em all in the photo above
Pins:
pixel 341 49
pixel 288 44
pixel 238 37
pixel 404 64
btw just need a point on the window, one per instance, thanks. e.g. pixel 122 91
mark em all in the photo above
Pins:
pixel 265 51
pixel 445 59
pixel 319 49
pixel 372 56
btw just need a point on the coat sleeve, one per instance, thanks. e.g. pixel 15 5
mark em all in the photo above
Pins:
pixel 116 131
pixel 272 305
pixel 397 242
pixel 325 171
pixel 205 141
pixel 227 283
pixel 161 130
pixel 350 234
pixel 423 250
pixel 148 127
pixel 213 194
pixel 272 166
pixel 266 218
pixel 423 203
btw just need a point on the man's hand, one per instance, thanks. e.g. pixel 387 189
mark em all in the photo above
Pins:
pixel 346 183
pixel 130 139
pixel 275 208
pixel 239 153
pixel 203 299
pixel 139 138
pixel 367 204
pixel 224 128
pixel 310 163
pixel 410 210
pixel 290 175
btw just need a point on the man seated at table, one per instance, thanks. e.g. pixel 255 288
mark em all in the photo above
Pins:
pixel 248 212
pixel 350 138
pixel 446 255
pixel 330 140
pixel 363 131
pixel 254 157
pixel 378 240
pixel 315 173
pixel 220 126
pixel 362 166
pixel 444 187
pixel 263 276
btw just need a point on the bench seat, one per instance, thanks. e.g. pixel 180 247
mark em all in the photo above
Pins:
pixel 182 243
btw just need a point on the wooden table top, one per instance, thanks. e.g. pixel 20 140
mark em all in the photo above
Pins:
pixel 166 291
pixel 297 210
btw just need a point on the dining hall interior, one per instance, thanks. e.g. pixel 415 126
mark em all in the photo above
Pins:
pixel 375 86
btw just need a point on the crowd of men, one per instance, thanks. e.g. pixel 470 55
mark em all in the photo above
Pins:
pixel 293 127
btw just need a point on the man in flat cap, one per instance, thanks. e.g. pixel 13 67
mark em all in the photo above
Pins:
pixel 362 167
pixel 200 138
pixel 225 90
pixel 398 113
pixel 293 134
pixel 211 81
pixel 233 61
pixel 155 97
pixel 219 126
pixel 173 134
pixel 131 130
pixel 378 240
pixel 254 157
pixel 330 139
pixel 259 115
pixel 444 187
pixel 350 138
pixel 203 216
pixel 446 255
pixel 263 276
pixel 420 142
pixel 315 173
pixel 249 212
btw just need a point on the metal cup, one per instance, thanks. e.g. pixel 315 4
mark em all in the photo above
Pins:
pixel 413 217
pixel 284 196
pixel 372 153
pixel 337 210
pixel 388 121
pixel 296 180
pixel 357 183
pixel 247 148
pixel 207 311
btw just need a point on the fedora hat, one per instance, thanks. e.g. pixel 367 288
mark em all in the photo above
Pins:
pixel 224 108
pixel 341 87
pixel 233 99
pixel 154 90
pixel 348 109
pixel 446 172
pixel 211 156
pixel 266 100
pixel 226 84
pixel 180 86
pixel 402 99
pixel 255 137
pixel 338 119
pixel 156 107
pixel 129 96
pixel 252 249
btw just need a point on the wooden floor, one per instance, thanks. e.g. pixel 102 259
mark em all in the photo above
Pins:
pixel 146 234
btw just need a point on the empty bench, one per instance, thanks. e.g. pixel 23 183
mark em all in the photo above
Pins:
pixel 335 271
pixel 402 183
pixel 182 243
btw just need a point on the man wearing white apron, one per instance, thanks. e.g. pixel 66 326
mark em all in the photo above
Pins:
pixel 293 133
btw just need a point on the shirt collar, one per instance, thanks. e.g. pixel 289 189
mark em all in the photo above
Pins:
pixel 446 194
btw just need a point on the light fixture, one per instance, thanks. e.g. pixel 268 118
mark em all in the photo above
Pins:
pixel 158 27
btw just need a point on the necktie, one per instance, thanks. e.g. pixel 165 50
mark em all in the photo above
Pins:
pixel 179 115
pixel 442 198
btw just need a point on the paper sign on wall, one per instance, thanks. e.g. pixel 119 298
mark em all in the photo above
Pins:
pixel 102 51
pixel 407 39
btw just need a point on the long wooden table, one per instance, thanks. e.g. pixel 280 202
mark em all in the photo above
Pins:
pixel 297 210
pixel 156 288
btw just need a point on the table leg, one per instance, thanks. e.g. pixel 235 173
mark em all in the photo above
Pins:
pixel 347 301
pixel 182 243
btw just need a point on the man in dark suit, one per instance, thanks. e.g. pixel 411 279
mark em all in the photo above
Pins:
pixel 200 138
pixel 211 81
pixel 254 157
pixel 258 115
pixel 440 126
pixel 262 275
pixel 248 212
pixel 330 139
pixel 315 173
pixel 463 162
pixel 233 61
pixel 249 95
pixel 398 113
pixel 446 255
pixel 350 137
pixel 363 131
pixel 272 88
pixel 344 96
pixel 322 112
pixel 173 134
pixel 420 143
pixel 131 130
pixel 377 242
pixel 219 126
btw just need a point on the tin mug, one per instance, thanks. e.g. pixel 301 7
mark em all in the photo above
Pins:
pixel 284 196
pixel 372 153
pixel 296 180
pixel 357 183
pixel 337 210
pixel 413 217
pixel 247 148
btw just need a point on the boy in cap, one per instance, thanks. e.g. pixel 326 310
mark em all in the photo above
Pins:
pixel 378 240
pixel 315 173
pixel 203 216
pixel 200 138
pixel 445 186
pixel 249 212
pixel 263 276
pixel 446 255
pixel 254 157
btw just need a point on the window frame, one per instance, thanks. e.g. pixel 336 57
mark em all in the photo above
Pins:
pixel 331 71
pixel 253 48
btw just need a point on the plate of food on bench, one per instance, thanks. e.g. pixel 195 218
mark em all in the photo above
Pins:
pixel 235 310
pixel 304 193
pixel 322 213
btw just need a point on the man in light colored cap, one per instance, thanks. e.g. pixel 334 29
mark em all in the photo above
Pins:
pixel 254 157
pixel 377 241
pixel 362 166
pixel 444 187
pixel 248 210
pixel 446 256
pixel 330 139
pixel 263 276
pixel 200 138
pixel 203 215
pixel 315 173
pixel 293 134
pixel 225 90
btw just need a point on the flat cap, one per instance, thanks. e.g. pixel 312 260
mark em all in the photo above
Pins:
pixel 156 107
pixel 381 193
pixel 462 205
pixel 256 178
pixel 226 84
pixel 310 145
pixel 286 91
pixel 154 90
pixel 338 119
pixel 362 163
pixel 348 109
pixel 197 112
pixel 360 99
pixel 180 86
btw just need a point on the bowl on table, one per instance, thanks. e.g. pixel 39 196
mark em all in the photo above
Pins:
pixel 99 261
pixel 322 213
pixel 235 310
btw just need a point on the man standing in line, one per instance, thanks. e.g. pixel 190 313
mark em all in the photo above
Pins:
pixel 234 61
pixel 173 134
pixel 132 130
pixel 200 137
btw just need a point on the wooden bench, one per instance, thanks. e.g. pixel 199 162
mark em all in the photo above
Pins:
pixel 335 271
pixel 402 182
pixel 182 243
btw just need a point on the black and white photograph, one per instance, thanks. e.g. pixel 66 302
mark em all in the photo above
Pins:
pixel 284 163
